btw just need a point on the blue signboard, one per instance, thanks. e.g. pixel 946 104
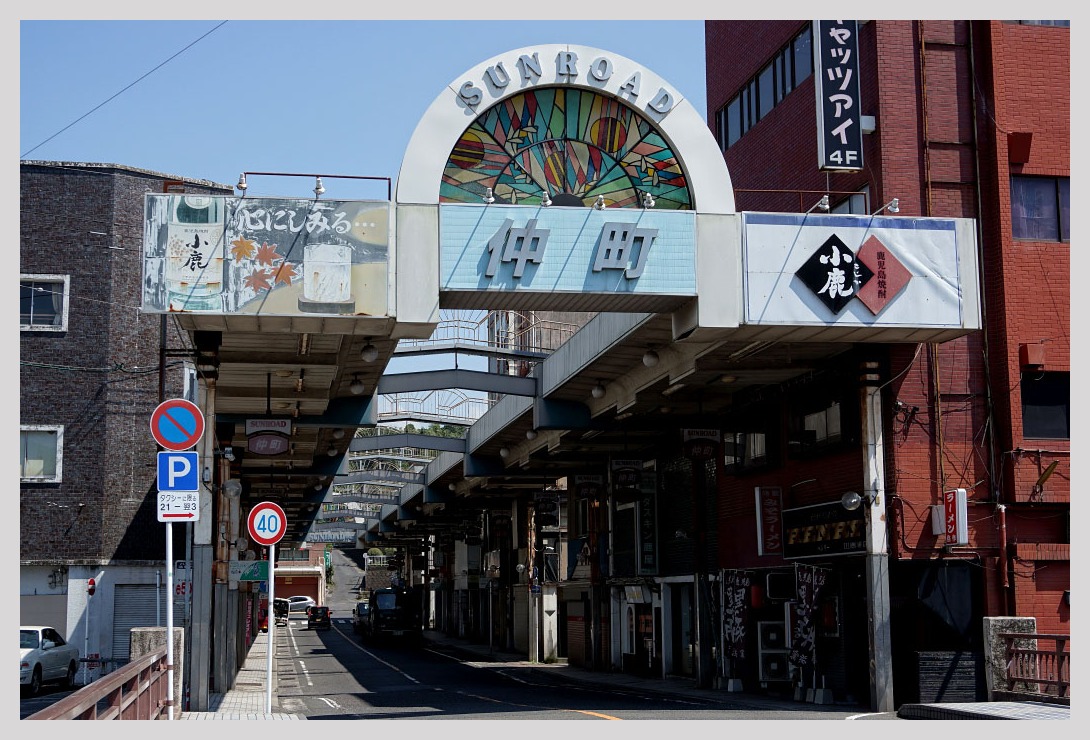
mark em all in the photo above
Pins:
pixel 178 472
pixel 555 250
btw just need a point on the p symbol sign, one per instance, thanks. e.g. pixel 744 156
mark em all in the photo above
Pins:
pixel 178 472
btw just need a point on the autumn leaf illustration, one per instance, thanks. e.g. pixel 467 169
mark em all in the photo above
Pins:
pixel 266 254
pixel 242 249
pixel 258 280
pixel 285 273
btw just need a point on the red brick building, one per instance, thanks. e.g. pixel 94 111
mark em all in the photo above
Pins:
pixel 964 120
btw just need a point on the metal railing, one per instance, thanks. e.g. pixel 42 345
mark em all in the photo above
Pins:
pixel 1038 664
pixel 137 690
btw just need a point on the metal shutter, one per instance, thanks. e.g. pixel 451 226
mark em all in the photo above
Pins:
pixel 136 605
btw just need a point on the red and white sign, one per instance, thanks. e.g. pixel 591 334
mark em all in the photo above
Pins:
pixel 769 520
pixel 266 523
pixel 177 424
pixel 956 510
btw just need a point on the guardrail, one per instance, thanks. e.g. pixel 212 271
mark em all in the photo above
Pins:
pixel 1036 669
pixel 137 690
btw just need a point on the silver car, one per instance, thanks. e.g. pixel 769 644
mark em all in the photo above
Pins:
pixel 300 603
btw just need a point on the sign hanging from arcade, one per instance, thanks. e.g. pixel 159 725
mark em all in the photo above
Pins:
pixel 271 256
pixel 856 271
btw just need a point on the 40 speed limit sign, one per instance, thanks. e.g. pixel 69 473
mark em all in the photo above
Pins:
pixel 266 523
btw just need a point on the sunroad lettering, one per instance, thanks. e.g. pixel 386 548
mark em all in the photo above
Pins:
pixel 565 68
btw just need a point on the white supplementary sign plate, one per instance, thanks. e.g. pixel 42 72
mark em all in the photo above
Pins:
pixel 184 506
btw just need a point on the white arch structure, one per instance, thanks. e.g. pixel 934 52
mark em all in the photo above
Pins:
pixel 416 244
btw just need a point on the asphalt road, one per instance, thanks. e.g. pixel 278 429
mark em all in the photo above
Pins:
pixel 334 674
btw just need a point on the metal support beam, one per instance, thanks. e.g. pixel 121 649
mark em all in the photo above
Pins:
pixel 421 441
pixel 470 380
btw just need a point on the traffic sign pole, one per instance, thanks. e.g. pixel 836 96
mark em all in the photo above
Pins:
pixel 267 524
pixel 176 425
pixel 170 621
pixel 271 647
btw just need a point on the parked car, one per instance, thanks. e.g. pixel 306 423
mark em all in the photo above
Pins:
pixel 393 612
pixel 359 616
pixel 45 657
pixel 318 617
pixel 300 603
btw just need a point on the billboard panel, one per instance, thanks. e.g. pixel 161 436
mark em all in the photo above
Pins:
pixel 271 256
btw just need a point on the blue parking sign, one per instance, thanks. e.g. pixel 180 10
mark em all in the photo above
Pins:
pixel 179 472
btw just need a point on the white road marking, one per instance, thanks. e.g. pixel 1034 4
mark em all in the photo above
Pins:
pixel 306 675
pixel 332 704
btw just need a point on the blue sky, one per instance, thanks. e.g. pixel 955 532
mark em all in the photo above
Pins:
pixel 204 100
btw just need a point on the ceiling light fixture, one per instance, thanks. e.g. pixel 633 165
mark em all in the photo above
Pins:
pixel 531 434
pixel 598 391
pixel 357 385
pixel 338 433
pixel 600 203
pixel 671 390
pixel 727 379
pixel 369 353
pixel 504 452
pixel 332 451
pixel 650 358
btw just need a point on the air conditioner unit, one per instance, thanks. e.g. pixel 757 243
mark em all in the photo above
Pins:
pixel 774 667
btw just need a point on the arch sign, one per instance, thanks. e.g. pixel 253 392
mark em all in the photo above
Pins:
pixel 266 523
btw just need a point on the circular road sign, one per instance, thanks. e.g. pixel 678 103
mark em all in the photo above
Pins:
pixel 266 523
pixel 177 424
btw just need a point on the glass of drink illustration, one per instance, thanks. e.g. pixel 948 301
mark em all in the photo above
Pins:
pixel 195 250
pixel 327 279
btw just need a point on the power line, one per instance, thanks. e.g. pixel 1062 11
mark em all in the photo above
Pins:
pixel 131 84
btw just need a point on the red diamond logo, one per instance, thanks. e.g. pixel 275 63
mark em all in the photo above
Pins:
pixel 890 276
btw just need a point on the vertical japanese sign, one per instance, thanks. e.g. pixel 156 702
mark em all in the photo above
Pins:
pixel 735 602
pixel 649 560
pixel 769 520
pixel 809 581
pixel 955 511
pixel 836 82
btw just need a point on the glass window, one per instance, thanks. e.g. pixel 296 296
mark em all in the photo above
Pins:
pixel 734 121
pixel 40 453
pixel 765 99
pixel 803 55
pixel 43 302
pixel 1046 405
pixel 1040 208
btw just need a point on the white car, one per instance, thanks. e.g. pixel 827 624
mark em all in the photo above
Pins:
pixel 45 657
pixel 300 603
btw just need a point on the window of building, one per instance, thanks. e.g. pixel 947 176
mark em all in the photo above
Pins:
pixel 1041 208
pixel 743 451
pixel 856 204
pixel 823 417
pixel 761 93
pixel 43 302
pixel 765 97
pixel 1046 405
pixel 40 453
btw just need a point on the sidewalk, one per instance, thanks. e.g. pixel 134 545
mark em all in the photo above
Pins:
pixel 248 698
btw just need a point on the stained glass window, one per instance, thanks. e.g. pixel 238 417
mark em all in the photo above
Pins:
pixel 575 144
